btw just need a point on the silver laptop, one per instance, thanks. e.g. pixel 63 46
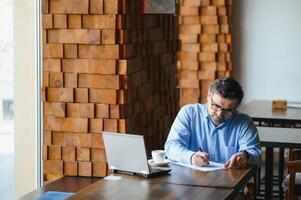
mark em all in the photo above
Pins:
pixel 126 154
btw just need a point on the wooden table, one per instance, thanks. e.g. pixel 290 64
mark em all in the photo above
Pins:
pixel 261 112
pixel 133 187
pixel 64 184
pixel 230 178
pixel 181 183
pixel 271 138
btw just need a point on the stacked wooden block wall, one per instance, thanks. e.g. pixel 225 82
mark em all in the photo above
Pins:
pixel 106 67
pixel 150 101
pixel 205 46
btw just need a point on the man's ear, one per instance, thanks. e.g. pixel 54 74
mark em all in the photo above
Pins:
pixel 208 96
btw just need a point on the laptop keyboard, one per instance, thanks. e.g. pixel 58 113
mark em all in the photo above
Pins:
pixel 157 169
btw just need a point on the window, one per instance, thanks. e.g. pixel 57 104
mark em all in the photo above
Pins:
pixel 6 101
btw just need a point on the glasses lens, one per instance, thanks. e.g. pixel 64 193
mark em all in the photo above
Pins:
pixel 227 113
pixel 214 107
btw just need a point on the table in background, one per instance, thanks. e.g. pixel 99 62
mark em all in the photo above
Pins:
pixel 134 187
pixel 261 112
pixel 64 184
pixel 271 138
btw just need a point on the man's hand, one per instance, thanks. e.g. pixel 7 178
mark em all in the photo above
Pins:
pixel 200 158
pixel 238 160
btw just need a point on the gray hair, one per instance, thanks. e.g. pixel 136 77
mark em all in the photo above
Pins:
pixel 228 88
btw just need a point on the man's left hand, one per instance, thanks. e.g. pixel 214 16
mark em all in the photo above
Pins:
pixel 238 160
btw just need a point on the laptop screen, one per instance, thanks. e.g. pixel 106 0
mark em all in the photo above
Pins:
pixel 126 152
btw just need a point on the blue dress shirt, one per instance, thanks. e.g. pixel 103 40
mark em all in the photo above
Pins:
pixel 193 128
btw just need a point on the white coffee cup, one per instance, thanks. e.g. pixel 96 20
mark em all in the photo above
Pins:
pixel 158 156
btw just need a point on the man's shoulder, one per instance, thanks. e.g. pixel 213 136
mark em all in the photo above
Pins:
pixel 244 119
pixel 193 107
pixel 243 116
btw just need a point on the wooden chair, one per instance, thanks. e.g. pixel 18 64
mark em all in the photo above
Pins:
pixel 294 174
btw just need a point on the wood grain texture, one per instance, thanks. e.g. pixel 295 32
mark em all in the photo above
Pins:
pixel 107 67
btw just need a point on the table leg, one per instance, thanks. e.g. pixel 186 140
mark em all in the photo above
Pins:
pixel 269 172
pixel 258 180
pixel 280 171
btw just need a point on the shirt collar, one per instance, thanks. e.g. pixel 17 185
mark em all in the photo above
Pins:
pixel 206 111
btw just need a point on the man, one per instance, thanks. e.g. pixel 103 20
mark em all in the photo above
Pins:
pixel 215 131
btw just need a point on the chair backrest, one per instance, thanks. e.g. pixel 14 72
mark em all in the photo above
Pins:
pixel 293 166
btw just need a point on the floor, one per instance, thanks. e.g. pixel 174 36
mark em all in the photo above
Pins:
pixel 6 165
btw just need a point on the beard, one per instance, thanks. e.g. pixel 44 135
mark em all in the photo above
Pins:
pixel 217 120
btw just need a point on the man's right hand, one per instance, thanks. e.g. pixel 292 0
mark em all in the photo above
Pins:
pixel 200 158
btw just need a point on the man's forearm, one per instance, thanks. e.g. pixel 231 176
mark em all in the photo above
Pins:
pixel 177 152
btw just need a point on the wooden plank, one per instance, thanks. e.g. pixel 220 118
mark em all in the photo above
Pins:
pixel 96 6
pixel 69 6
pixel 56 79
pixel 59 21
pixel 95 125
pixel 51 65
pixel 47 21
pixel 54 167
pixel 111 6
pixel 85 169
pixel 79 36
pixel 83 154
pixel 81 95
pixel 103 96
pixel 66 124
pixel 70 168
pixel 109 37
pixel 99 51
pixel 70 80
pixel 98 155
pixel 52 50
pixel 54 152
pixel 99 21
pixel 70 51
pixel 80 110
pixel 99 81
pixel 68 153
pixel 102 111
pixel 57 109
pixel 60 94
pixel 99 169
pixel 74 21
pixel 90 66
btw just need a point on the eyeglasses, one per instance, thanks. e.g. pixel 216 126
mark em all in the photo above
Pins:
pixel 227 112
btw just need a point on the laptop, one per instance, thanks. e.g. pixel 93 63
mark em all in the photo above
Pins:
pixel 126 154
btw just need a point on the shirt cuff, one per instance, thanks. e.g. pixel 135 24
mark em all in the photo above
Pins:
pixel 246 154
pixel 186 157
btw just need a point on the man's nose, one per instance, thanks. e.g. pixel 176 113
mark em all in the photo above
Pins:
pixel 219 112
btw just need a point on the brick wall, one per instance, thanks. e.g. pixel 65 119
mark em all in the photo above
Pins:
pixel 205 46
pixel 106 67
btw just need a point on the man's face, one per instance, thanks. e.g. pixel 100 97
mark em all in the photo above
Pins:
pixel 220 109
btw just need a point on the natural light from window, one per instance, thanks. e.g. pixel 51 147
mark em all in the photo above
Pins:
pixel 6 101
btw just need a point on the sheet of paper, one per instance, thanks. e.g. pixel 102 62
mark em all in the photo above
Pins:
pixel 293 105
pixel 212 166
pixel 113 178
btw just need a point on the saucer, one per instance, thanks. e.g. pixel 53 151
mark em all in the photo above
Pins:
pixel 153 164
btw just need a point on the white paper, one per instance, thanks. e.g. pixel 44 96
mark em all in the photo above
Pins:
pixel 293 105
pixel 113 178
pixel 212 166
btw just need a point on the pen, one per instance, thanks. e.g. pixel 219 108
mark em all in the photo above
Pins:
pixel 200 149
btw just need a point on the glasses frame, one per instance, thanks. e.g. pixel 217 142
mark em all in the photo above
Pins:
pixel 225 111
